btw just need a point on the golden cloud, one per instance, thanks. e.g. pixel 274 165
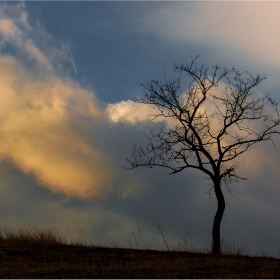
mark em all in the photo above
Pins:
pixel 129 112
pixel 39 113
pixel 7 27
pixel 38 55
pixel 133 112
pixel 36 134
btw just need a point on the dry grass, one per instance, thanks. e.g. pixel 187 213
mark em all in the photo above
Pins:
pixel 35 253
pixel 31 235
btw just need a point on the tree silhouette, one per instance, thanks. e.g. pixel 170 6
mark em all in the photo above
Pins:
pixel 214 121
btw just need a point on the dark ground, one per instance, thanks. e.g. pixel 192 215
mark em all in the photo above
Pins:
pixel 72 261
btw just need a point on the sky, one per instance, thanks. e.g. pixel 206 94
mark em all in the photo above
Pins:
pixel 69 76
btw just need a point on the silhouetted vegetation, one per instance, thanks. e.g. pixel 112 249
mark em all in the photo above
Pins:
pixel 36 253
pixel 211 122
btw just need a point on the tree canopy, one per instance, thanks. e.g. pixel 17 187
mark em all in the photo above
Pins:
pixel 210 124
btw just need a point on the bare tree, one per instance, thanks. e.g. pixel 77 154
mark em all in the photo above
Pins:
pixel 211 123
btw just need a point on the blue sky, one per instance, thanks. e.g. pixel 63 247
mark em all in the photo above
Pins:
pixel 64 135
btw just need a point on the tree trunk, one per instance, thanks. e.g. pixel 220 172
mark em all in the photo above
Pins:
pixel 216 240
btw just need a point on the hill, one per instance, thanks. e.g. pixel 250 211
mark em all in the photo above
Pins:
pixel 44 255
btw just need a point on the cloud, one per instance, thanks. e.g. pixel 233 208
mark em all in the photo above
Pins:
pixel 29 43
pixel 248 27
pixel 252 29
pixel 255 159
pixel 54 134
pixel 130 112
pixel 14 25
pixel 7 27
pixel 36 118
pixel 39 117
pixel 38 56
